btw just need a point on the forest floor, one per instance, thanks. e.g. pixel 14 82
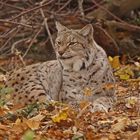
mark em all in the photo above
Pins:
pixel 27 29
pixel 59 121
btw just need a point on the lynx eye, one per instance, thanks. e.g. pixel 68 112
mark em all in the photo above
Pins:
pixel 72 43
pixel 58 42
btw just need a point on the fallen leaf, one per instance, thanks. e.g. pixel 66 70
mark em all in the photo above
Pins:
pixel 109 86
pixel 18 121
pixel 2 78
pixel 135 135
pixel 131 102
pixel 38 117
pixel 115 62
pixel 29 135
pixel 34 122
pixel 3 111
pixel 122 123
pixel 62 115
pixel 83 104
pixel 124 73
pixel 89 135
pixel 3 127
pixel 78 136
pixel 137 64
pixel 124 76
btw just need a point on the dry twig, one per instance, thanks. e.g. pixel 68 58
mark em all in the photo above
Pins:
pixel 31 10
pixel 80 4
pixel 31 43
pixel 16 23
pixel 46 24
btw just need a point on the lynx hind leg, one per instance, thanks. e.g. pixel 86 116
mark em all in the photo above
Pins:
pixel 29 97
pixel 39 96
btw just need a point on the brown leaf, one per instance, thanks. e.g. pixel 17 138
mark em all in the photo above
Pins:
pixel 135 135
pixel 34 122
pixel 118 127
pixel 131 102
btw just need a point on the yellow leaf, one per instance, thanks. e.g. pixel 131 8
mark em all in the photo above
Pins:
pixel 124 76
pixel 131 101
pixel 115 62
pixel 29 135
pixel 129 71
pixel 18 121
pixel 62 115
pixel 125 73
pixel 110 59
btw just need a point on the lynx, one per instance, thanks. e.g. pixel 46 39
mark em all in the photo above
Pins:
pixel 81 67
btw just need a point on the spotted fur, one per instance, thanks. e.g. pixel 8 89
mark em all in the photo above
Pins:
pixel 81 65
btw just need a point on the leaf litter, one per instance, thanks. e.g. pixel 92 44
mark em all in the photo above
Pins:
pixel 58 121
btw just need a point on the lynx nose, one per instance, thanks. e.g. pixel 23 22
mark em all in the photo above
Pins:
pixel 61 52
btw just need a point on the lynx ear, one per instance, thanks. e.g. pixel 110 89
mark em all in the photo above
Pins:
pixel 87 30
pixel 60 27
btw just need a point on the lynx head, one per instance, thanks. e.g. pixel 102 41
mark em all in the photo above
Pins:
pixel 74 48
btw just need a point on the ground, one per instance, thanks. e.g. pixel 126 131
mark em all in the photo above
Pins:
pixel 59 121
pixel 27 31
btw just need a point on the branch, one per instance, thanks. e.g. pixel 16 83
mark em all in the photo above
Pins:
pixel 30 10
pixel 46 25
pixel 31 43
pixel 12 22
pixel 12 6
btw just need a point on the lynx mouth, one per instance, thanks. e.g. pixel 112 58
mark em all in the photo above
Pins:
pixel 65 57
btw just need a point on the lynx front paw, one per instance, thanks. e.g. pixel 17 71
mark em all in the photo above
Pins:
pixel 100 107
pixel 102 104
